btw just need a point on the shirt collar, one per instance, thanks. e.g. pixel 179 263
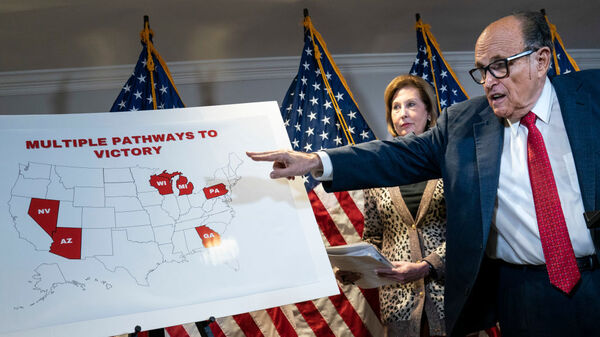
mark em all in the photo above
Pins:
pixel 542 107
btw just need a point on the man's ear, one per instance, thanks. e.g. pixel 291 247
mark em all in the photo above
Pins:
pixel 542 58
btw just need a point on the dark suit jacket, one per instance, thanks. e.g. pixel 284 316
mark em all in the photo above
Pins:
pixel 465 149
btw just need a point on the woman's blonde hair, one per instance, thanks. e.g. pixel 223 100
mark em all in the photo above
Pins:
pixel 425 91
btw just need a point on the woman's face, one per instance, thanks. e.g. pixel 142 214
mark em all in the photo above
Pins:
pixel 409 113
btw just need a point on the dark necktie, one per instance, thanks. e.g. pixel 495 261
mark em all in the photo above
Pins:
pixel 556 244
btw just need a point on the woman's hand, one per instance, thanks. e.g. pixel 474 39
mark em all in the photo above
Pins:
pixel 347 277
pixel 404 272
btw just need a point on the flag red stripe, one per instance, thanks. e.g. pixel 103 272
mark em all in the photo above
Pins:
pixel 177 331
pixel 315 320
pixel 281 322
pixel 325 221
pixel 356 217
pixel 335 238
pixel 247 324
pixel 349 315
pixel 143 334
pixel 216 329
pixel 372 297
pixel 358 220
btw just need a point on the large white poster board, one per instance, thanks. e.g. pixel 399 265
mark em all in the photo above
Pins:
pixel 150 218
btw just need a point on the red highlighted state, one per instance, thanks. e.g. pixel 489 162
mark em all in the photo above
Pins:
pixel 67 243
pixel 215 191
pixel 45 213
pixel 163 182
pixel 209 237
pixel 184 186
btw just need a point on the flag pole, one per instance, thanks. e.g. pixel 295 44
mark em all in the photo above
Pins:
pixel 305 12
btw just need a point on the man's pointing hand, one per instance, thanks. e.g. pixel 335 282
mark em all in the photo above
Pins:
pixel 289 163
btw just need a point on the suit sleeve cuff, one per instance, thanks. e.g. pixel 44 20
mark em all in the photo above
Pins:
pixel 436 262
pixel 327 173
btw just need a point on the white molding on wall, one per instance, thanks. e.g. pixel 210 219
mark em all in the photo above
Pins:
pixel 101 78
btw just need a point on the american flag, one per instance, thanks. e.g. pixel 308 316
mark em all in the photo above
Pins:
pixel 561 62
pixel 137 93
pixel 431 66
pixel 319 112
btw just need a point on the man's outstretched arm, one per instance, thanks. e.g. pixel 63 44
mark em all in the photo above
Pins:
pixel 288 164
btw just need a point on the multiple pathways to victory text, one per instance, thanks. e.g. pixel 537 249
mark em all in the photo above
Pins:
pixel 125 146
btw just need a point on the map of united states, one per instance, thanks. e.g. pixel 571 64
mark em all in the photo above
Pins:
pixel 134 218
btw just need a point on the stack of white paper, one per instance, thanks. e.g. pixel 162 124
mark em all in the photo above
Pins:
pixel 363 258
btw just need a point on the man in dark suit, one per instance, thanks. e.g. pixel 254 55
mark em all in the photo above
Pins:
pixel 520 167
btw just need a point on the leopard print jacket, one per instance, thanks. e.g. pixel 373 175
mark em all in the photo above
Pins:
pixel 390 226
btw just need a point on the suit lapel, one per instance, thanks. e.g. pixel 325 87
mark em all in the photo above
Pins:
pixel 488 136
pixel 576 110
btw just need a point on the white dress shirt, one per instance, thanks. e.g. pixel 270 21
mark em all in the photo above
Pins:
pixel 515 236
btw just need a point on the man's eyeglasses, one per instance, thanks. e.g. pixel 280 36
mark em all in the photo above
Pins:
pixel 498 68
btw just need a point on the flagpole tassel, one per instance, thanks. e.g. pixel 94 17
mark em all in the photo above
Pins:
pixel 145 34
pixel 556 38
pixel 314 36
pixel 436 46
